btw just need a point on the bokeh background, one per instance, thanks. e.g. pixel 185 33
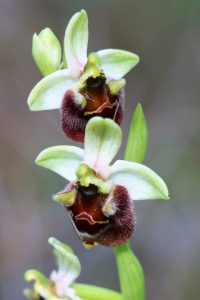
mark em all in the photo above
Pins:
pixel 166 35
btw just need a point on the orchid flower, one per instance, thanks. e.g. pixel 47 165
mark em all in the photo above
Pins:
pixel 58 286
pixel 100 197
pixel 88 86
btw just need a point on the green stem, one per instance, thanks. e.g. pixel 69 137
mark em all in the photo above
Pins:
pixel 90 292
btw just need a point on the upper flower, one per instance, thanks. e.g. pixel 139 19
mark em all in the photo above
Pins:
pixel 100 196
pixel 58 286
pixel 87 86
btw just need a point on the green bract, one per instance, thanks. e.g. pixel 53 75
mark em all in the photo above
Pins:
pixel 138 137
pixel 46 51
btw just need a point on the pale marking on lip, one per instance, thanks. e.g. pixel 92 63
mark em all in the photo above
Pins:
pixel 87 217
pixel 107 104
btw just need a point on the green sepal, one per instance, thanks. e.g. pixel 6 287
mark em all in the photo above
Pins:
pixel 138 137
pixel 117 63
pixel 130 274
pixel 46 51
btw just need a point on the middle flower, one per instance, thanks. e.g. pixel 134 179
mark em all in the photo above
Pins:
pixel 99 197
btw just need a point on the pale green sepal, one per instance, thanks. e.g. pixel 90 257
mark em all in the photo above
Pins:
pixel 138 137
pixel 117 63
pixel 90 292
pixel 46 51
pixel 141 182
pixel 130 274
pixel 102 141
pixel 63 160
pixel 66 260
pixel 49 92
pixel 75 42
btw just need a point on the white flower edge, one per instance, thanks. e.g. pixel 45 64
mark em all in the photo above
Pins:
pixel 141 182
pixel 63 160
pixel 48 93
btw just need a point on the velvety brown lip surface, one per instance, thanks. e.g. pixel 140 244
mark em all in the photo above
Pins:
pixel 87 210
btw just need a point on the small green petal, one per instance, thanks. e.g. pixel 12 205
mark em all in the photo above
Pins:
pixel 102 142
pixel 66 260
pixel 63 160
pixel 46 51
pixel 130 274
pixel 117 63
pixel 116 85
pixel 66 198
pixel 75 42
pixel 141 182
pixel 49 92
pixel 35 275
pixel 138 137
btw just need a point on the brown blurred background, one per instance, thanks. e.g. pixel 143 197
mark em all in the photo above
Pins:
pixel 166 35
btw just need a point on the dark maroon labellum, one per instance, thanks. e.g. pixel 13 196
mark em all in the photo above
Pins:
pixel 99 102
pixel 90 222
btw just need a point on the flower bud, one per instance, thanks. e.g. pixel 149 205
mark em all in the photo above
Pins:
pixel 46 51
